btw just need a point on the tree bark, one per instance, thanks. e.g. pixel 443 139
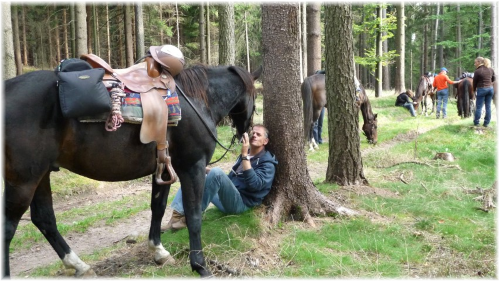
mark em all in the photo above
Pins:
pixel 345 166
pixel 201 27
pixel 480 29
pixel 108 35
pixel 129 41
pixel 400 49
pixel 139 32
pixel 73 29
pixel 81 29
pixel 209 55
pixel 441 36
pixel 9 63
pixel 17 43
pixel 65 33
pixel 25 45
pixel 434 40
pixel 57 35
pixel 227 53
pixel 378 42
pixel 313 37
pixel 494 36
pixel 293 194
pixel 386 78
pixel 303 37
pixel 459 41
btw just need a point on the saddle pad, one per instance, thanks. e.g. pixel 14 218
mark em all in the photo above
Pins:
pixel 131 109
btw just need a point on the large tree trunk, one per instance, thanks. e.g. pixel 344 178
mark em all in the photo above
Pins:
pixel 400 49
pixel 303 38
pixel 293 194
pixel 227 53
pixel 81 29
pixel 345 166
pixel 313 37
pixel 9 63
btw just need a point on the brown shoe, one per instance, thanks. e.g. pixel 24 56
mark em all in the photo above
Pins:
pixel 176 222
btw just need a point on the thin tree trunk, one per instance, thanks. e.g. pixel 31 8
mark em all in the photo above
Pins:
pixel 441 37
pixel 95 23
pixel 459 41
pixel 89 29
pixel 139 32
pixel 17 44
pixel 177 25
pixel 108 37
pixel 80 29
pixel 378 83
pixel 425 56
pixel 129 41
pixel 50 33
pixel 72 25
pixel 246 43
pixel 9 63
pixel 57 35
pixel 209 54
pixel 227 52
pixel 203 57
pixel 386 81
pixel 313 37
pixel 65 32
pixel 303 29
pixel 25 45
pixel 400 49
pixel 494 36
pixel 434 40
pixel 480 29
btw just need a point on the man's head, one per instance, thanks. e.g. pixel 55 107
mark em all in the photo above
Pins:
pixel 443 69
pixel 259 136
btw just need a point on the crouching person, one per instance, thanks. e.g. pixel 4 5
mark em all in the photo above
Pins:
pixel 405 100
pixel 246 185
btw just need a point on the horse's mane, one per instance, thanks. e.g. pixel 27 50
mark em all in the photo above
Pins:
pixel 194 81
pixel 365 106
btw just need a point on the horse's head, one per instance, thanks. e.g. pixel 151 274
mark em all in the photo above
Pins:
pixel 242 113
pixel 370 129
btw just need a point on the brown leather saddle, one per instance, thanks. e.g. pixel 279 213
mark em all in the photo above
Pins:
pixel 152 82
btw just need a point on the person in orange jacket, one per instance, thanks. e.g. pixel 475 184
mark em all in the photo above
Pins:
pixel 441 82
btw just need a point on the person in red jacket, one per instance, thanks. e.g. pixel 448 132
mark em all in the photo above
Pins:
pixel 441 82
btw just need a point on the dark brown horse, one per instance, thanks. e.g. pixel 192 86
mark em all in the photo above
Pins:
pixel 424 90
pixel 314 99
pixel 465 98
pixel 38 140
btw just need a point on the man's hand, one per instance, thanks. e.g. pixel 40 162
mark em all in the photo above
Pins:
pixel 245 143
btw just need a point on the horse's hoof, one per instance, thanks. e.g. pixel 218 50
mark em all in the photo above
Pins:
pixel 166 260
pixel 205 273
pixel 89 273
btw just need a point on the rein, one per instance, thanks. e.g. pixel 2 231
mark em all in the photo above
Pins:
pixel 206 125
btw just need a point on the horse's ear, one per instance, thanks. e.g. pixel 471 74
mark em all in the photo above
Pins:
pixel 256 74
pixel 375 116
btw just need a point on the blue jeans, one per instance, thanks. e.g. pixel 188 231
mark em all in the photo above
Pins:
pixel 409 106
pixel 442 99
pixel 318 127
pixel 220 191
pixel 484 96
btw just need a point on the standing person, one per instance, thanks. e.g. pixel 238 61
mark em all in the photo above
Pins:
pixel 405 99
pixel 246 185
pixel 441 82
pixel 318 127
pixel 482 84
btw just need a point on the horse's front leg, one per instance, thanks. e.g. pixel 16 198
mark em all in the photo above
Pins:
pixel 193 185
pixel 159 196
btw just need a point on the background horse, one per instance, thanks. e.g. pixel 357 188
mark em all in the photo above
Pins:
pixel 314 99
pixel 424 90
pixel 465 98
pixel 38 140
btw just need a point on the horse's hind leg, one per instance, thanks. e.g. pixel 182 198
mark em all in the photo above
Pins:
pixel 159 196
pixel 43 217
pixel 16 201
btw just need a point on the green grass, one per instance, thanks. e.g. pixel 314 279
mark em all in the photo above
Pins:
pixel 428 215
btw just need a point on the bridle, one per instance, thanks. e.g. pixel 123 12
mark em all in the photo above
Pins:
pixel 233 140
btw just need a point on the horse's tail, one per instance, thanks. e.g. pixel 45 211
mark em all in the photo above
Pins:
pixel 465 98
pixel 306 90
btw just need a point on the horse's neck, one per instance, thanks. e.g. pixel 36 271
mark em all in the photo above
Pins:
pixel 366 110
